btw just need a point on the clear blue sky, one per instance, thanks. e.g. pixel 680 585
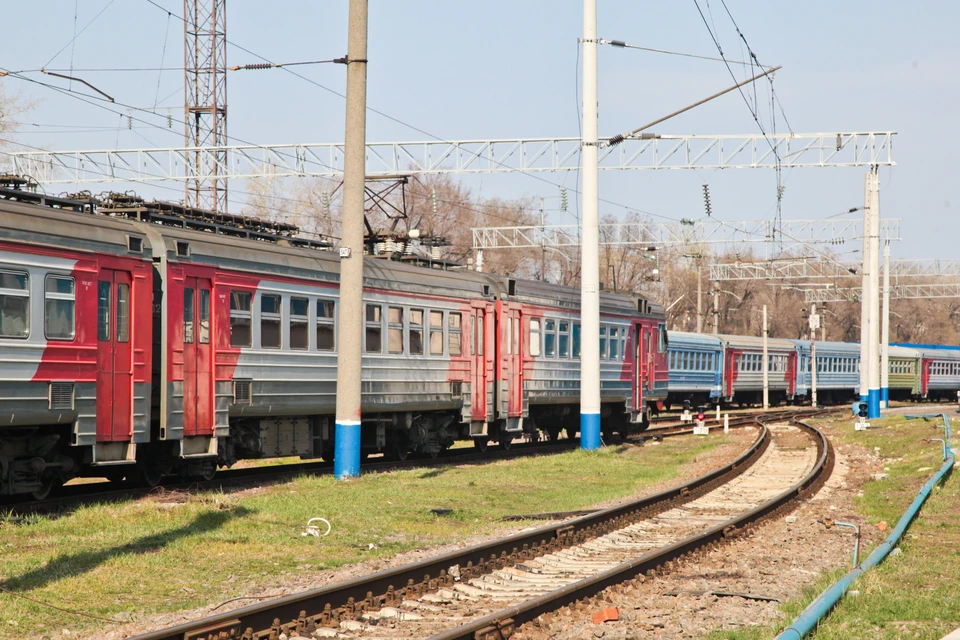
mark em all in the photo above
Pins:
pixel 492 69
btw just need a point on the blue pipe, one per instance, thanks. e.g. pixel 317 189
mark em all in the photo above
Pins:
pixel 819 608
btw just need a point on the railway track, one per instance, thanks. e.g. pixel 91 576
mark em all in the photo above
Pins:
pixel 485 591
pixel 105 491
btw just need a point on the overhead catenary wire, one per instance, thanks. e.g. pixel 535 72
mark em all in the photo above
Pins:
pixel 626 45
pixel 403 123
pixel 77 35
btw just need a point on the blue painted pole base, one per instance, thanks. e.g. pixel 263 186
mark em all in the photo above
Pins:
pixel 885 397
pixel 346 451
pixel 873 404
pixel 589 431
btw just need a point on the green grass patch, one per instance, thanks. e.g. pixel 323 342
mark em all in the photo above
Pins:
pixel 171 553
pixel 912 595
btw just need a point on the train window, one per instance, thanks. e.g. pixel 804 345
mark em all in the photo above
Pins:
pixel 472 342
pixel 603 342
pixel 516 336
pixel 103 310
pixel 534 337
pixel 550 338
pixel 481 336
pixel 415 332
pixel 270 321
pixel 374 329
pixel 299 323
pixel 662 337
pixel 454 337
pixel 394 330
pixel 240 334
pixel 563 340
pixel 14 305
pixel 325 325
pixel 696 361
pixel 507 341
pixel 59 310
pixel 204 324
pixel 576 339
pixel 123 313
pixel 436 333
pixel 614 343
pixel 187 316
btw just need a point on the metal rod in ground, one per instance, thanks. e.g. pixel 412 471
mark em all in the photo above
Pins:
pixel 885 347
pixel 766 363
pixel 347 447
pixel 590 251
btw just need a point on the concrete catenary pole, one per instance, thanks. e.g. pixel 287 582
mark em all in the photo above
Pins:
pixel 590 245
pixel 766 363
pixel 865 293
pixel 885 348
pixel 813 354
pixel 350 325
pixel 873 407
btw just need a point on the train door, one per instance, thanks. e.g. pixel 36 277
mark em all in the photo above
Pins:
pixel 114 357
pixel 197 358
pixel 730 371
pixel 511 366
pixel 645 364
pixel 479 373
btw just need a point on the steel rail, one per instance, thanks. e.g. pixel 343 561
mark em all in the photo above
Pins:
pixel 494 626
pixel 349 599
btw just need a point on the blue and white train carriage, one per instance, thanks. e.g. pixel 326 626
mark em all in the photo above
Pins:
pixel 696 368
pixel 838 371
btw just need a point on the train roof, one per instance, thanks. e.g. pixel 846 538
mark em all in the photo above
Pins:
pixel 903 352
pixel 263 248
pixel 827 347
pixel 688 339
pixel 752 342
pixel 951 355
pixel 942 347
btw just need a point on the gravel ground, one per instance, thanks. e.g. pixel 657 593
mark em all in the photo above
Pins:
pixel 293 583
pixel 777 560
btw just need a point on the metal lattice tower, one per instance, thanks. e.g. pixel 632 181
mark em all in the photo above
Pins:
pixel 205 101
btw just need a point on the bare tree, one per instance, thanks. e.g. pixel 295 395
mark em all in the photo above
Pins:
pixel 12 106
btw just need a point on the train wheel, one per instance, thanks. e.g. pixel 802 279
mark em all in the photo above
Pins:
pixel 481 444
pixel 149 476
pixel 398 447
pixel 506 442
pixel 48 484
pixel 208 472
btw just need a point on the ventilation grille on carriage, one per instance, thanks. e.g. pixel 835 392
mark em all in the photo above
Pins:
pixel 61 395
pixel 241 392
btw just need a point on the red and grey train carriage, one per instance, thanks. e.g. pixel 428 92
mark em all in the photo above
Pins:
pixel 150 340
pixel 75 342
pixel 743 369
pixel 540 359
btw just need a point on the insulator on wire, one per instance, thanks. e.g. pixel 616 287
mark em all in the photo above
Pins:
pixel 563 198
pixel 706 198
pixel 169 120
pixel 325 203
pixel 129 122
pixel 433 200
